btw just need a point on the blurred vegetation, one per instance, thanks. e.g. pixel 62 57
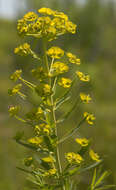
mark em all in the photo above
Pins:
pixel 95 42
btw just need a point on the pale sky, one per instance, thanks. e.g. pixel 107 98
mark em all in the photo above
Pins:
pixel 9 8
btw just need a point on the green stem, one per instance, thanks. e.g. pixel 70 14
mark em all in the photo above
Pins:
pixel 53 112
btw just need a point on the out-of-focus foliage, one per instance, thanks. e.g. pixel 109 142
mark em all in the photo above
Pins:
pixel 97 48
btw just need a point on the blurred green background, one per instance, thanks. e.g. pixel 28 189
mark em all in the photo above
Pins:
pixel 95 43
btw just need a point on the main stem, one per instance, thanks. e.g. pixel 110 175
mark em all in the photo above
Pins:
pixel 53 114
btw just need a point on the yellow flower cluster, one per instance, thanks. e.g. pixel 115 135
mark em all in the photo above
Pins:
pixel 42 128
pixel 89 118
pixel 13 110
pixel 15 90
pixel 82 77
pixel 73 59
pixel 82 141
pixel 58 68
pixel 65 82
pixel 23 50
pixel 43 90
pixel 50 25
pixel 50 172
pixel 48 159
pixel 35 140
pixel 55 52
pixel 74 158
pixel 94 156
pixel 31 16
pixel 16 75
pixel 85 98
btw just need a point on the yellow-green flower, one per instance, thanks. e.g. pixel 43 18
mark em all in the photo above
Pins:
pixel 46 11
pixel 15 90
pixel 65 82
pixel 82 77
pixel 94 156
pixel 30 16
pixel 42 128
pixel 89 118
pixel 85 98
pixel 59 68
pixel 39 73
pixel 28 161
pixel 23 50
pixel 73 59
pixel 43 90
pixel 35 140
pixel 82 141
pixel 71 27
pixel 16 75
pixel 22 26
pixel 74 158
pixel 55 52
pixel 48 159
pixel 50 172
pixel 13 110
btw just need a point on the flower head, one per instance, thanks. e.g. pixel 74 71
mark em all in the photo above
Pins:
pixel 89 118
pixel 15 90
pixel 16 75
pixel 65 82
pixel 23 50
pixel 74 158
pixel 85 98
pixel 82 77
pixel 35 140
pixel 13 110
pixel 55 52
pixel 73 59
pixel 30 16
pixel 94 156
pixel 59 68
pixel 82 141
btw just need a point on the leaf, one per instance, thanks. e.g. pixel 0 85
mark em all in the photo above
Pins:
pixel 90 167
pixel 71 132
pixel 61 102
pixel 69 112
pixel 93 180
pixel 106 187
pixel 103 176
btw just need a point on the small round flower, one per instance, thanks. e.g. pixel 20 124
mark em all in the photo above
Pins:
pixel 28 161
pixel 23 50
pixel 13 110
pixel 43 90
pixel 74 158
pixel 73 59
pixel 35 140
pixel 65 82
pixel 82 77
pixel 22 26
pixel 15 90
pixel 50 172
pixel 46 11
pixel 48 159
pixel 16 75
pixel 59 68
pixel 85 98
pixel 30 16
pixel 55 52
pixel 82 141
pixel 89 118
pixel 71 27
pixel 94 156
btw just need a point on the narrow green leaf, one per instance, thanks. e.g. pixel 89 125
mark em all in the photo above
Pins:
pixel 106 187
pixel 90 167
pixel 93 180
pixel 103 176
